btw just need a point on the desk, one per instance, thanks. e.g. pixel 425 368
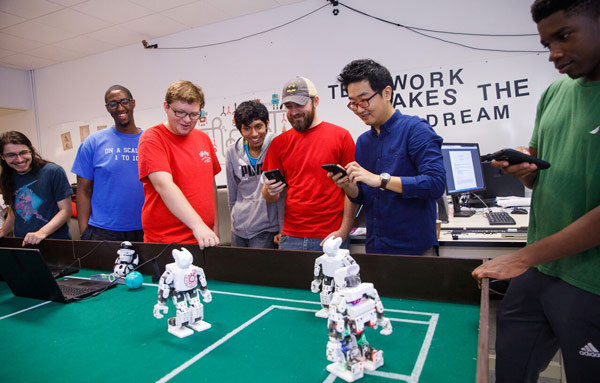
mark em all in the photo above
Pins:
pixel 481 245
pixel 260 333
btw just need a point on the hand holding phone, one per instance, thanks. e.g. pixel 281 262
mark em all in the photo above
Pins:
pixel 275 174
pixel 514 157
pixel 335 169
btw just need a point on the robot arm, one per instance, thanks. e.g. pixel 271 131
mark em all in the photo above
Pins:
pixel 318 274
pixel 164 290
pixel 386 325
pixel 347 260
pixel 337 308
pixel 203 286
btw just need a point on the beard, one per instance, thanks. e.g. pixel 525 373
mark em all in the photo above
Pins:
pixel 303 124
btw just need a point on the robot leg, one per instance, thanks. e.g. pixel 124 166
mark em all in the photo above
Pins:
pixel 326 295
pixel 182 317
pixel 197 313
pixel 350 368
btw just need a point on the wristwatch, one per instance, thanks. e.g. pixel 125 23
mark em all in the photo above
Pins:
pixel 385 178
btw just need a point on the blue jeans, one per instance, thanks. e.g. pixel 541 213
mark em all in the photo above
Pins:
pixel 262 240
pixel 309 244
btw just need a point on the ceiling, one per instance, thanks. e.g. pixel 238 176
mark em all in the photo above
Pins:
pixel 39 33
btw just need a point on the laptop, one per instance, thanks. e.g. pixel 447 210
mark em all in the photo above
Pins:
pixel 28 275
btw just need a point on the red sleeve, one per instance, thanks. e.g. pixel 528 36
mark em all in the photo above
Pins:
pixel 272 160
pixel 214 159
pixel 348 149
pixel 152 155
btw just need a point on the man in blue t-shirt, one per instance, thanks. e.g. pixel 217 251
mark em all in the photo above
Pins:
pixel 109 193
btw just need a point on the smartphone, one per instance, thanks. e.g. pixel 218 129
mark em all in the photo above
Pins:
pixel 335 169
pixel 275 174
pixel 515 157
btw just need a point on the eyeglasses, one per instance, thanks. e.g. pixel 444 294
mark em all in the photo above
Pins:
pixel 182 114
pixel 353 106
pixel 114 104
pixel 12 156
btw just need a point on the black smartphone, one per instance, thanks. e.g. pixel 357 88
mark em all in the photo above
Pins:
pixel 515 157
pixel 275 174
pixel 335 169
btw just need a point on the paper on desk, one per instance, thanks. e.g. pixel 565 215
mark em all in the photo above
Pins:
pixel 513 201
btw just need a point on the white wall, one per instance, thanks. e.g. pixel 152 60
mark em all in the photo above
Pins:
pixel 24 122
pixel 15 89
pixel 318 46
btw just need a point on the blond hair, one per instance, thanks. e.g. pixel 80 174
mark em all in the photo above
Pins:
pixel 185 91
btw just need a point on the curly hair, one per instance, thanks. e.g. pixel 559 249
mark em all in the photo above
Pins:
pixel 7 184
pixel 185 91
pixel 540 9
pixel 249 111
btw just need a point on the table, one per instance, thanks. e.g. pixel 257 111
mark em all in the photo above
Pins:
pixel 264 329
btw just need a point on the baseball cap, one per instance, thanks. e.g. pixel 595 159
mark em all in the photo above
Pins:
pixel 298 90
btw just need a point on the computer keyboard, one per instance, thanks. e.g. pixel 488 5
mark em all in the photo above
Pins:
pixel 500 218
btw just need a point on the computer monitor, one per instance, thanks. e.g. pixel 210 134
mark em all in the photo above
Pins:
pixel 463 172
pixel 500 184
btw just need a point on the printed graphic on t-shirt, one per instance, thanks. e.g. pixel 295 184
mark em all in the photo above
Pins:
pixel 205 156
pixel 124 153
pixel 248 171
pixel 27 203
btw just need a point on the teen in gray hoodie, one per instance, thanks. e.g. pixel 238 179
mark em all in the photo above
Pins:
pixel 254 221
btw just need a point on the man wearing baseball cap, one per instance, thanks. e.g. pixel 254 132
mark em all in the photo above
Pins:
pixel 314 206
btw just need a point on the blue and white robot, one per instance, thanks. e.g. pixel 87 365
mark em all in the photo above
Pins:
pixel 181 281
pixel 325 267
pixel 354 307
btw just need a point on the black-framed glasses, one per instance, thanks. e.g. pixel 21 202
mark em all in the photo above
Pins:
pixel 353 106
pixel 22 153
pixel 114 104
pixel 182 114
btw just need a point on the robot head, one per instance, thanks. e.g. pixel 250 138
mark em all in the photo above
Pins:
pixel 332 245
pixel 347 276
pixel 126 248
pixel 183 258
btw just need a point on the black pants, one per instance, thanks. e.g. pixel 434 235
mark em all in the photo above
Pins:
pixel 93 233
pixel 539 314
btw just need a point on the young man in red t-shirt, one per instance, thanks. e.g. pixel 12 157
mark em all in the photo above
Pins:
pixel 314 206
pixel 177 167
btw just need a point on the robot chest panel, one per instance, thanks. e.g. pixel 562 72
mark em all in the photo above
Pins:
pixel 362 311
pixel 185 280
pixel 330 265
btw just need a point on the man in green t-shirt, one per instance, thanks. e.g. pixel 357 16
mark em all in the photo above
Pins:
pixel 554 299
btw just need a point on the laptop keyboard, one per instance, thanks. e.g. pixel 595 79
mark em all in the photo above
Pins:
pixel 71 291
pixel 500 218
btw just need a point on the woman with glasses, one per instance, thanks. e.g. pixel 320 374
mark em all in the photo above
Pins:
pixel 37 191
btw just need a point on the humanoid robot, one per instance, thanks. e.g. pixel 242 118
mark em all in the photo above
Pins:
pixel 354 306
pixel 181 281
pixel 325 267
pixel 127 260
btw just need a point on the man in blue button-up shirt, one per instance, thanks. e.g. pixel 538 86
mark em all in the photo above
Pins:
pixel 398 174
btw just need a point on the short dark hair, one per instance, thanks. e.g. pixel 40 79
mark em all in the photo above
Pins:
pixel 540 9
pixel 366 69
pixel 117 87
pixel 249 111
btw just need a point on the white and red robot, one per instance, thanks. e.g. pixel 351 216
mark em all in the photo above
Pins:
pixel 181 281
pixel 325 268
pixel 354 307
pixel 127 260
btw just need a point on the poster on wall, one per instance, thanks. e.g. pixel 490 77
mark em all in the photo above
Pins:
pixel 67 143
pixel 84 132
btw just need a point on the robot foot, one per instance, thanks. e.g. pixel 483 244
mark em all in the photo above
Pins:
pixel 199 326
pixel 180 332
pixel 340 370
pixel 323 313
pixel 375 361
